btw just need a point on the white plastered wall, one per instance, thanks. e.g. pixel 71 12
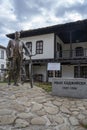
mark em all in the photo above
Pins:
pixel 48 45
pixel 67 71
pixel 3 61
pixel 58 40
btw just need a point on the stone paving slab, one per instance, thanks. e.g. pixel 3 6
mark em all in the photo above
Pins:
pixel 25 108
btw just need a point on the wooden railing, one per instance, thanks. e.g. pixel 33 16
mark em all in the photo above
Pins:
pixel 67 54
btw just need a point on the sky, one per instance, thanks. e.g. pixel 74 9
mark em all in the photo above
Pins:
pixel 17 15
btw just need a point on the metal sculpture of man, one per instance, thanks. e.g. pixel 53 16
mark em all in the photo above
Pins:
pixel 15 56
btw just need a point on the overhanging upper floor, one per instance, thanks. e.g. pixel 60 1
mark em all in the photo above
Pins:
pixel 77 29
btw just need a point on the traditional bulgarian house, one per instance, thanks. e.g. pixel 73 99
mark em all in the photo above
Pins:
pixel 2 60
pixel 64 43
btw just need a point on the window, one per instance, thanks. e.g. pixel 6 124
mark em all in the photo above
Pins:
pixel 50 73
pixel 39 47
pixel 2 67
pixel 79 51
pixel 59 50
pixel 57 73
pixel 83 71
pixel 2 54
pixel 29 45
pixel 76 71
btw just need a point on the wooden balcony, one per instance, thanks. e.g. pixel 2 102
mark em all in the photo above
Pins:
pixel 67 54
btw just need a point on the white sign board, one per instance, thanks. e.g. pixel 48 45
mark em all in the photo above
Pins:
pixel 53 66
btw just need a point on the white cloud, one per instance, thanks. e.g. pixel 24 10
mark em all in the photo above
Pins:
pixel 73 2
pixel 68 3
pixel 6 11
pixel 25 25
pixel 29 14
pixel 72 16
pixel 7 30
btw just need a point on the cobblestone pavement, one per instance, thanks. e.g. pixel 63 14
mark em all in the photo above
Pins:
pixel 25 108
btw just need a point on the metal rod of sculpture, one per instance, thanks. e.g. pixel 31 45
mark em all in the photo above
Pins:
pixel 30 70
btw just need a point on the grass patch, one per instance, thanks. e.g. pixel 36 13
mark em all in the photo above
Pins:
pixel 3 84
pixel 85 126
pixel 46 86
